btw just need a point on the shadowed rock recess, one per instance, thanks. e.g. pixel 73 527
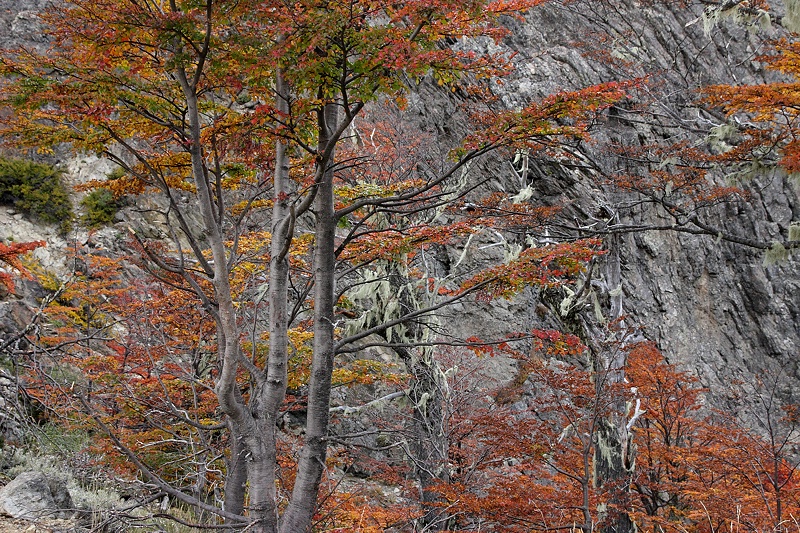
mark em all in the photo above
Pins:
pixel 711 305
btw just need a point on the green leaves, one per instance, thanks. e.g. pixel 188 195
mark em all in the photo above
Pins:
pixel 36 189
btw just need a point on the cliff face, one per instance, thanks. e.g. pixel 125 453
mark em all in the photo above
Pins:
pixel 19 23
pixel 711 306
pixel 714 307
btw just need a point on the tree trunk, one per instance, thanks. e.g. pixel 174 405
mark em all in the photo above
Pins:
pixel 261 452
pixel 282 234
pixel 311 466
pixel 613 451
pixel 236 475
pixel 261 475
pixel 427 392
pixel 430 446
pixel 613 471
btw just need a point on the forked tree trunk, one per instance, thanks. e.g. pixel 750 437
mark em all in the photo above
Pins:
pixel 270 393
pixel 252 429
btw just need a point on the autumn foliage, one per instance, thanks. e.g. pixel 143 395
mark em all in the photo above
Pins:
pixel 523 460
pixel 764 117
pixel 10 256
pixel 300 214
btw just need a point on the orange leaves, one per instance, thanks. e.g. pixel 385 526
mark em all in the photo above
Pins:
pixel 766 116
pixel 699 470
pixel 10 257
pixel 545 266
pixel 562 116
pixel 362 509
pixel 390 243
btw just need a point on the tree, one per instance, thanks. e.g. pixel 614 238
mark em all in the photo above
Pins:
pixel 200 103
pixel 11 258
pixel 701 470
pixel 527 459
pixel 524 456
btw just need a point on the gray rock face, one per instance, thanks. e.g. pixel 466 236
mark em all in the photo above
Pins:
pixel 19 22
pixel 713 307
pixel 11 428
pixel 33 495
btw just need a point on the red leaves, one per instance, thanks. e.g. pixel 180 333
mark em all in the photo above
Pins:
pixel 525 462
pixel 556 344
pixel 10 256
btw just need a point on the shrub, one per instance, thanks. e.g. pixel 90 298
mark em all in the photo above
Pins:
pixel 101 207
pixel 36 189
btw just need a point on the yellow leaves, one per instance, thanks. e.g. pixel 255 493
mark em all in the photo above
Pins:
pixel 254 245
pixel 364 190
pixel 300 339
pixel 250 205
pixel 299 357
pixel 237 177
pixel 367 372
pixel 377 190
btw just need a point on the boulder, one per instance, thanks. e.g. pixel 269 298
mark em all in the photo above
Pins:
pixel 34 495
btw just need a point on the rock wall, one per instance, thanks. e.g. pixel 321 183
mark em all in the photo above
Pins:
pixel 713 307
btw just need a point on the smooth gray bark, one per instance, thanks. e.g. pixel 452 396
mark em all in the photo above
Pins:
pixel 270 392
pixel 236 475
pixel 311 466
pixel 252 432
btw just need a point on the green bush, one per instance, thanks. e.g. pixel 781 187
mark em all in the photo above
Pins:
pixel 36 190
pixel 101 207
